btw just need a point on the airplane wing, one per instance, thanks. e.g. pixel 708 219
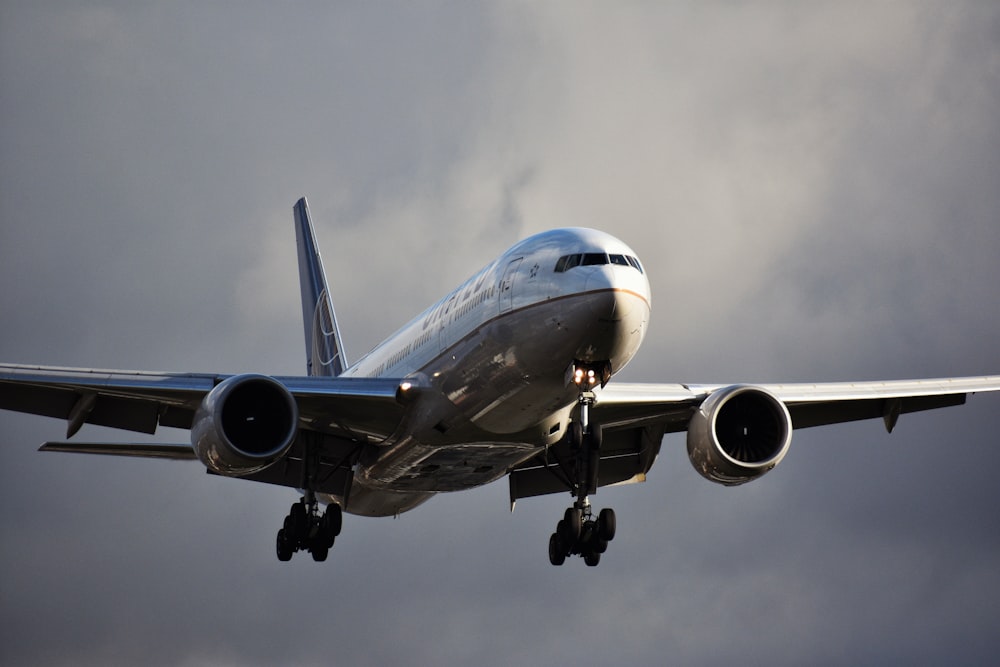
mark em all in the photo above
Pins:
pixel 341 412
pixel 635 417
pixel 336 414
pixel 140 401
pixel 809 404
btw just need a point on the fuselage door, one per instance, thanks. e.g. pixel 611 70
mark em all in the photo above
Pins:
pixel 507 285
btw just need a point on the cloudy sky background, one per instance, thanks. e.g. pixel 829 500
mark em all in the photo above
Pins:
pixel 815 191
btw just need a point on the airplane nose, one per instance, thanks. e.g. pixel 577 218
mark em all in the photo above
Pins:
pixel 620 296
pixel 619 304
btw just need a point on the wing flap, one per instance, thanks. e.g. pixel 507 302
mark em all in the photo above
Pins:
pixel 129 400
pixel 822 413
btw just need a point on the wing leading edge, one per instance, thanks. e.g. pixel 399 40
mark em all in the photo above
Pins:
pixel 142 401
pixel 636 416
pixel 810 404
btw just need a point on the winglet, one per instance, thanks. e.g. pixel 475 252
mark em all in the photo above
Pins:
pixel 324 349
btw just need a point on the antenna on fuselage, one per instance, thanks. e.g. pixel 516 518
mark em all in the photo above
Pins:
pixel 324 348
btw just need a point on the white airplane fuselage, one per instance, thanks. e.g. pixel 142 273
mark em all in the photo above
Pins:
pixel 493 359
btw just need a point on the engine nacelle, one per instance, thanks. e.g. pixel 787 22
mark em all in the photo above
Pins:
pixel 244 424
pixel 738 434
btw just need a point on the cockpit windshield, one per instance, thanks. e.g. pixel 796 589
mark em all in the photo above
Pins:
pixel 567 262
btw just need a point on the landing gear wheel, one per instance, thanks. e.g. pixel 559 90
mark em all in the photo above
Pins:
pixel 607 524
pixel 333 520
pixel 324 539
pixel 305 529
pixel 330 525
pixel 283 548
pixel 298 520
pixel 573 519
pixel 557 552
pixel 591 558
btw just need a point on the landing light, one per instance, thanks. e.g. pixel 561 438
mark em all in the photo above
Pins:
pixel 578 377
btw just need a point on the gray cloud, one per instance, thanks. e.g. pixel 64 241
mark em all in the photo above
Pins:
pixel 814 192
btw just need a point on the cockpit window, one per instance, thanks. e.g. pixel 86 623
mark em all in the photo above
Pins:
pixel 567 262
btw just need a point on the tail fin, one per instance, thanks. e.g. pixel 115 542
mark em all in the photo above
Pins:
pixel 324 349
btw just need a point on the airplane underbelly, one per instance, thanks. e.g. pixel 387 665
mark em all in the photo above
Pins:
pixel 367 501
pixel 500 394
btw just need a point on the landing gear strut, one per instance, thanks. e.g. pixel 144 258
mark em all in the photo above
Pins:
pixel 579 533
pixel 305 529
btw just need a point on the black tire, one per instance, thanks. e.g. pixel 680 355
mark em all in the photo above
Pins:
pixel 557 552
pixel 300 521
pixel 599 546
pixel 607 524
pixel 574 524
pixel 319 554
pixel 333 519
pixel 326 540
pixel 591 558
pixel 282 547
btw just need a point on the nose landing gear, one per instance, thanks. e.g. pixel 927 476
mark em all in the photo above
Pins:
pixel 579 533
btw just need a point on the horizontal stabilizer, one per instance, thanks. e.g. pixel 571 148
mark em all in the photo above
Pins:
pixel 138 450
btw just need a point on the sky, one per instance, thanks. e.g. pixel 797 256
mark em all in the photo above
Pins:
pixel 813 188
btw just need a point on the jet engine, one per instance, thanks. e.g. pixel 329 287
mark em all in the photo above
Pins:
pixel 738 434
pixel 244 424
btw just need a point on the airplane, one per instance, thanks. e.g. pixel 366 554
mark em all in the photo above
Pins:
pixel 508 375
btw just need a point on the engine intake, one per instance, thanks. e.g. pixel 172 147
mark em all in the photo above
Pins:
pixel 738 434
pixel 244 424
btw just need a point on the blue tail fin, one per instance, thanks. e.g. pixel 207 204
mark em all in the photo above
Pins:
pixel 324 349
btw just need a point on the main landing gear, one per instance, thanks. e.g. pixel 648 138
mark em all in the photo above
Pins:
pixel 579 533
pixel 305 529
